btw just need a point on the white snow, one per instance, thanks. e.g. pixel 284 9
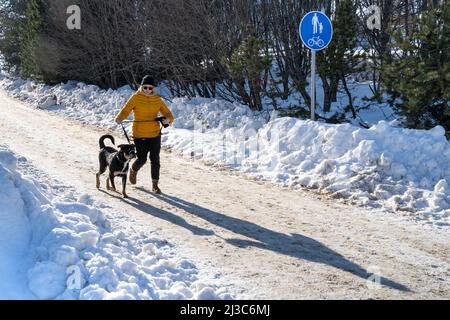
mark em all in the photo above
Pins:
pixel 57 245
pixel 403 170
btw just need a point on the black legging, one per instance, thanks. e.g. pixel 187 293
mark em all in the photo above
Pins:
pixel 143 148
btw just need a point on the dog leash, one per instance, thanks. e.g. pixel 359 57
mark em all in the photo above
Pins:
pixel 126 134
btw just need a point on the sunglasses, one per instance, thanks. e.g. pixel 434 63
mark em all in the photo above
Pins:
pixel 148 88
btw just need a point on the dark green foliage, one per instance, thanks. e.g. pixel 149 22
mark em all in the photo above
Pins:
pixel 248 65
pixel 340 59
pixel 29 39
pixel 12 16
pixel 418 76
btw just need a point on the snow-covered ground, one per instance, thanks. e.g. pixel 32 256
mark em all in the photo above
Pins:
pixel 58 244
pixel 367 112
pixel 402 170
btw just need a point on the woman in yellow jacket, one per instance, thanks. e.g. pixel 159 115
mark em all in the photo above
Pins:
pixel 146 106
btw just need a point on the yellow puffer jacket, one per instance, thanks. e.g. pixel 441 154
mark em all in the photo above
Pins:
pixel 145 108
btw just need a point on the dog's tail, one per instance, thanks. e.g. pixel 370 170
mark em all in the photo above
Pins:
pixel 102 140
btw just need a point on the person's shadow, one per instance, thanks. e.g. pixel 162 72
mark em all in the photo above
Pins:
pixel 161 214
pixel 294 245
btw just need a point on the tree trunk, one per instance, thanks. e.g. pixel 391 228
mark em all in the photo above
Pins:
pixel 350 98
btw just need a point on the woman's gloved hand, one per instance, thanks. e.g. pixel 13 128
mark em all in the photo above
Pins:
pixel 166 122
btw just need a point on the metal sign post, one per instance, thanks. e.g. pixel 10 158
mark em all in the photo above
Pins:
pixel 316 32
pixel 313 85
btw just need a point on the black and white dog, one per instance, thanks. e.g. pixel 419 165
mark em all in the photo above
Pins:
pixel 118 163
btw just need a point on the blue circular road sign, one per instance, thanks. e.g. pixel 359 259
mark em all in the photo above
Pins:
pixel 316 30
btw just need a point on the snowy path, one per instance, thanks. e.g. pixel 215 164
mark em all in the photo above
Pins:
pixel 261 241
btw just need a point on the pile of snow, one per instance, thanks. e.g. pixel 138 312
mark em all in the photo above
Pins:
pixel 400 169
pixel 90 104
pixel 55 248
pixel 403 169
pixel 86 103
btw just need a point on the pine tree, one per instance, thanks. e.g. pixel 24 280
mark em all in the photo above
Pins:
pixel 418 78
pixel 247 67
pixel 11 17
pixel 339 60
pixel 29 39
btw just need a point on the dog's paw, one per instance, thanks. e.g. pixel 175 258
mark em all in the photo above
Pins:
pixel 125 196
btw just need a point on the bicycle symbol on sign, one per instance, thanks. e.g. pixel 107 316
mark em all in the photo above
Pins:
pixel 316 41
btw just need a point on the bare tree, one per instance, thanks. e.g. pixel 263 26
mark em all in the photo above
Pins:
pixel 108 50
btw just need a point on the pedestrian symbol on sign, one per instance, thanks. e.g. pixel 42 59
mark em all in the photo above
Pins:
pixel 315 22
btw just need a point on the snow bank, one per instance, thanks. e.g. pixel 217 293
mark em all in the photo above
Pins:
pixel 403 170
pixel 54 248
pixel 90 104
pixel 86 103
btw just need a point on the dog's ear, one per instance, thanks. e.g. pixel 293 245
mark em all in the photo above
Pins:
pixel 121 146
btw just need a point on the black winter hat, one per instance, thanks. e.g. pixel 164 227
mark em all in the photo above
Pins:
pixel 147 80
